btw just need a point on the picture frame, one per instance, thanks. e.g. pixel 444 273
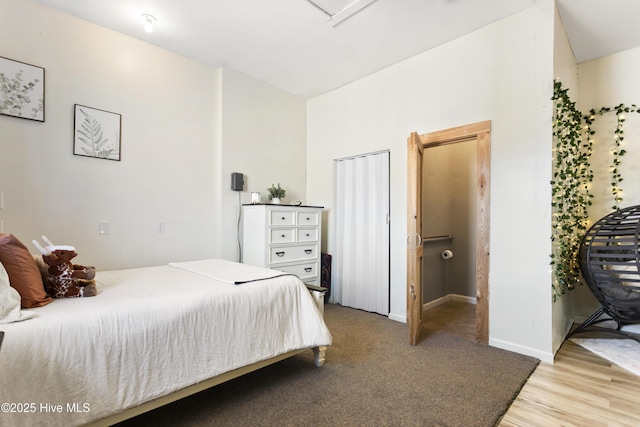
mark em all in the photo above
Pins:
pixel 21 90
pixel 96 133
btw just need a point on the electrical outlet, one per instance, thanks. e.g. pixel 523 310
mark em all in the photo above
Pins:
pixel 160 227
pixel 103 227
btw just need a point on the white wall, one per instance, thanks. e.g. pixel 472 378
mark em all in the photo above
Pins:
pixel 610 81
pixel 604 82
pixel 263 136
pixel 607 82
pixel 502 73
pixel 185 128
pixel 166 102
pixel 566 70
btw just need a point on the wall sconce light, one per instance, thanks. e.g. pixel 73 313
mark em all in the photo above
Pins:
pixel 149 20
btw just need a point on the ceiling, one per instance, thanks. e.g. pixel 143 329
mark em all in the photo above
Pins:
pixel 308 49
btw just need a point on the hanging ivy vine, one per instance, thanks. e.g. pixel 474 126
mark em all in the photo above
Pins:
pixel 617 151
pixel 570 196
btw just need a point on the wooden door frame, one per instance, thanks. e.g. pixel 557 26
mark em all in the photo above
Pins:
pixel 481 133
pixel 414 236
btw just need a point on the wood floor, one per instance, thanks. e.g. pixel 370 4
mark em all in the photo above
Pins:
pixel 578 389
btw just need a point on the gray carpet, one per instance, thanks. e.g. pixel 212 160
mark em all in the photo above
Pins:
pixel 372 377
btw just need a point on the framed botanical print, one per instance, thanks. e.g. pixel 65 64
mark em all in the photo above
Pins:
pixel 96 133
pixel 21 90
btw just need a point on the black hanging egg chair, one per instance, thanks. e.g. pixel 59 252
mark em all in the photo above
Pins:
pixel 610 264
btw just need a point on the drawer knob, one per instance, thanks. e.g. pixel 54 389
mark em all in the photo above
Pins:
pixel 280 253
pixel 283 235
pixel 308 269
pixel 283 218
pixel 308 234
pixel 308 251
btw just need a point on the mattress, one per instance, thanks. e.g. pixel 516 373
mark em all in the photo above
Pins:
pixel 149 332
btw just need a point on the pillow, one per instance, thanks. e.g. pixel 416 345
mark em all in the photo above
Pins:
pixel 23 273
pixel 10 301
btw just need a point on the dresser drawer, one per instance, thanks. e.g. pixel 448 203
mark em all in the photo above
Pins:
pixel 282 254
pixel 308 218
pixel 282 218
pixel 302 270
pixel 307 235
pixel 282 235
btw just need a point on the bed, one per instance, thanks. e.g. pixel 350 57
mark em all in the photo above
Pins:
pixel 151 336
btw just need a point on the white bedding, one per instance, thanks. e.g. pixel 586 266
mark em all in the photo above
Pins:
pixel 148 332
pixel 228 272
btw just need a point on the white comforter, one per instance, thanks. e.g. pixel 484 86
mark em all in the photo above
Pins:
pixel 148 332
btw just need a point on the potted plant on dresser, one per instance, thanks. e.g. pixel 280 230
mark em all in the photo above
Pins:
pixel 276 194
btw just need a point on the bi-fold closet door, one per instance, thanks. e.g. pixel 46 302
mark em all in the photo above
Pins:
pixel 360 276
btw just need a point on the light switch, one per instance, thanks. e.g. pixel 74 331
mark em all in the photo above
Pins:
pixel 103 227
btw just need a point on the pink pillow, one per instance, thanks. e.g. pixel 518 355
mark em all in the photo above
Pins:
pixel 23 272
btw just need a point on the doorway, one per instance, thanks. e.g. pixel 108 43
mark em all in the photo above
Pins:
pixel 449 238
pixel 479 134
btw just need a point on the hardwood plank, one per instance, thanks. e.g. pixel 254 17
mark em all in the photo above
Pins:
pixel 579 389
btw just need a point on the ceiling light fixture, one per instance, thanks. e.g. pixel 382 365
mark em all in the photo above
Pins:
pixel 149 20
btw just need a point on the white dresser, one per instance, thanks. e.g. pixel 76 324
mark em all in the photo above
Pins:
pixel 284 238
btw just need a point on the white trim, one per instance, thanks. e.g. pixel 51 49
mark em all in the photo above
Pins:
pixel 447 298
pixel 398 317
pixel 505 345
pixel 372 153
pixel 527 351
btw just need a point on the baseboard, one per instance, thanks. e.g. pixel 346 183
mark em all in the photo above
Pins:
pixel 402 318
pixel 398 318
pixel 527 351
pixel 447 298
pixel 464 298
pixel 505 345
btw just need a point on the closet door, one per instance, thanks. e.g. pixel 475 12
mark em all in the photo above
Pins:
pixel 361 259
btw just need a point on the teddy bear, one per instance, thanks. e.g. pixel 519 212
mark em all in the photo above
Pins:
pixel 62 278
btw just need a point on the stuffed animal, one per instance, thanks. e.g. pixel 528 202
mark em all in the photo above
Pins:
pixel 64 279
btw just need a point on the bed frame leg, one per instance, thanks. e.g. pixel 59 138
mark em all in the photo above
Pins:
pixel 318 355
pixel 317 292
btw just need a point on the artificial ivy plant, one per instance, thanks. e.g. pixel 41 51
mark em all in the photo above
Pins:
pixel 570 197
